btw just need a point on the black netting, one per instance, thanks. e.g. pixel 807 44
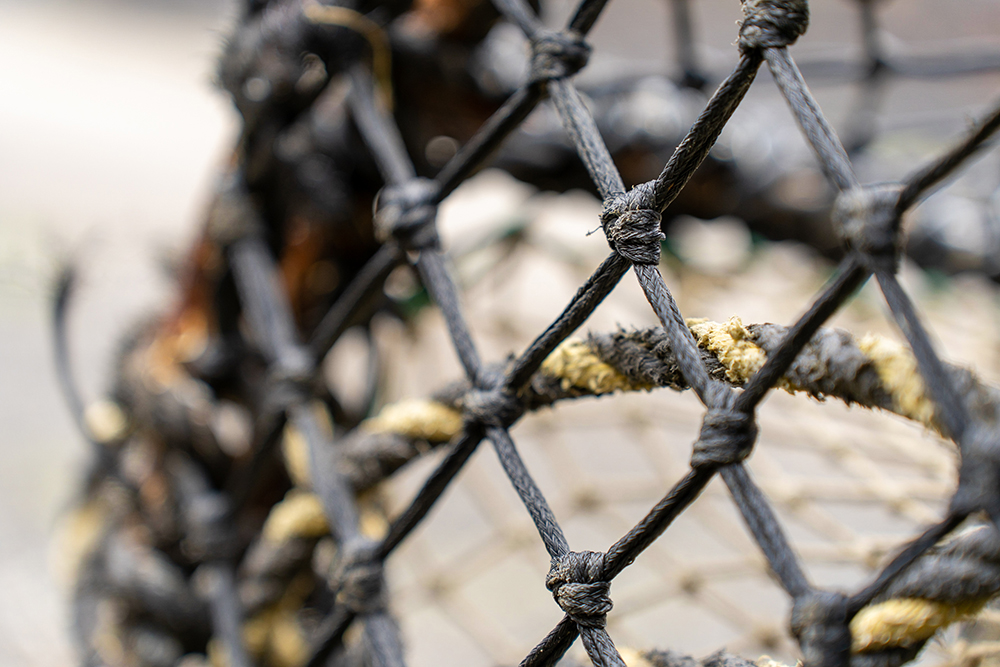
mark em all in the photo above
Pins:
pixel 203 567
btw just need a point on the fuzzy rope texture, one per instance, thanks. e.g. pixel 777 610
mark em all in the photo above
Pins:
pixel 872 371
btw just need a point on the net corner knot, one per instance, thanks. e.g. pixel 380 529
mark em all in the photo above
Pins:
pixel 772 23
pixel 868 220
pixel 727 433
pixel 577 583
pixel 359 577
pixel 631 223
pixel 557 54
pixel 820 622
pixel 407 212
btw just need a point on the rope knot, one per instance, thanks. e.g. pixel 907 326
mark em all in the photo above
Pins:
pixel 576 582
pixel 772 23
pixel 494 407
pixel 868 221
pixel 556 55
pixel 632 225
pixel 727 435
pixel 359 578
pixel 820 623
pixel 407 212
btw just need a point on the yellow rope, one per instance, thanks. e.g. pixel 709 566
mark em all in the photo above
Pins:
pixel 905 621
pixel 295 452
pixel 418 419
pixel 894 363
pixel 897 369
pixel 105 420
pixel 892 623
pixel 371 31
pixel 730 343
pixel 299 514
pixel 275 634
pixel 576 365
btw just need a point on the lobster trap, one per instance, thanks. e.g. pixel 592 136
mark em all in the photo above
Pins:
pixel 252 484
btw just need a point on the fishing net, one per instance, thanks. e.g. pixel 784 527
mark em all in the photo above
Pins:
pixel 255 487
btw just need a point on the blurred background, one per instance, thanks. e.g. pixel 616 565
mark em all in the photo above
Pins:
pixel 111 135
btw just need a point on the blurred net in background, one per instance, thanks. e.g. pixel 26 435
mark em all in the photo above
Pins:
pixel 192 552
pixel 848 484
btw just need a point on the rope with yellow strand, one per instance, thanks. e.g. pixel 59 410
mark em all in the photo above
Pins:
pixel 873 372
pixel 208 549
pixel 949 583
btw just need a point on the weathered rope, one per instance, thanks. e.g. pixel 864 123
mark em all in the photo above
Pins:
pixel 199 507
pixel 772 23
pixel 873 371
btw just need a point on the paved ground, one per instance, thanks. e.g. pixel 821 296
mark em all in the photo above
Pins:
pixel 110 134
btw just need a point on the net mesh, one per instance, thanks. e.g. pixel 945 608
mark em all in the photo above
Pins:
pixel 234 513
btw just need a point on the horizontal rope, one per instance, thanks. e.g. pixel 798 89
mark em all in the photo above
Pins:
pixel 299 514
pixel 873 371
pixel 906 621
pixel 418 419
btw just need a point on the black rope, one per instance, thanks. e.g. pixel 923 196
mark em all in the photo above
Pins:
pixel 938 170
pixel 849 278
pixel 493 398
pixel 766 530
pixel 951 411
pixel 818 132
pixel 429 493
pixel 584 302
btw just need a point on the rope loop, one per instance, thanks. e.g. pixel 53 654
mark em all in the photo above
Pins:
pixel 868 220
pixel 555 55
pixel 359 577
pixel 407 212
pixel 576 582
pixel 820 623
pixel 632 224
pixel 772 23
pixel 727 434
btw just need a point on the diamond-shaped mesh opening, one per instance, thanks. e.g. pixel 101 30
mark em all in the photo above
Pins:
pixel 272 548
